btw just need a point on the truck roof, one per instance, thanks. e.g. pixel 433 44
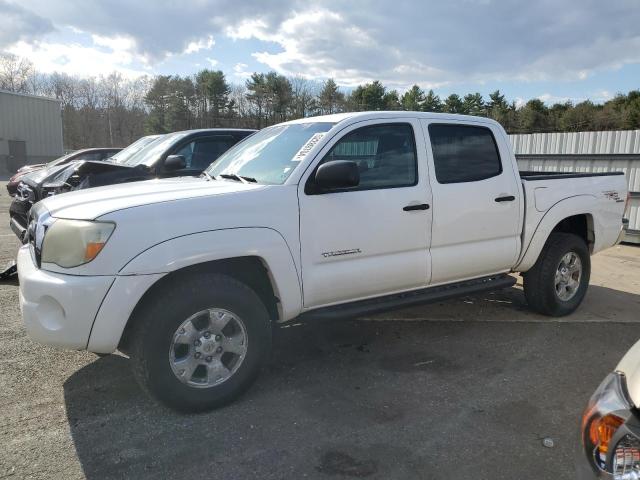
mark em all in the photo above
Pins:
pixel 370 115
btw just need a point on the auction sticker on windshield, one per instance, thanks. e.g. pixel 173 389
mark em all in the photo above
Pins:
pixel 306 148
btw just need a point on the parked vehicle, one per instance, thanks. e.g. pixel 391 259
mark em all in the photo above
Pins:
pixel 174 154
pixel 320 217
pixel 611 424
pixel 84 154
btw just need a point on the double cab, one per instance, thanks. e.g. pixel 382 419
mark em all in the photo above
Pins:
pixel 321 217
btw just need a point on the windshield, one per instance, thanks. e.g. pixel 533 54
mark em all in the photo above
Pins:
pixel 149 154
pixel 272 154
pixel 124 155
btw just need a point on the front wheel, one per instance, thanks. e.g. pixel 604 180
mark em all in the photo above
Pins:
pixel 558 282
pixel 200 342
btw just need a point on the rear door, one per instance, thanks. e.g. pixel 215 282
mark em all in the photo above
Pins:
pixel 372 239
pixel 476 228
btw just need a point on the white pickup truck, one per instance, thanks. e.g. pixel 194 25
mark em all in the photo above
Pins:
pixel 329 216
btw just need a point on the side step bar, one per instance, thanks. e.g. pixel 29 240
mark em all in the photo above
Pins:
pixel 409 299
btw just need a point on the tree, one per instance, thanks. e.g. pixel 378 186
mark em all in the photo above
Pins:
pixel 473 104
pixel 369 97
pixel 497 101
pixel 413 98
pixel 280 94
pixel 214 91
pixel 432 103
pixel 391 100
pixel 533 116
pixel 330 99
pixel 304 98
pixel 257 95
pixel 16 73
pixel 453 104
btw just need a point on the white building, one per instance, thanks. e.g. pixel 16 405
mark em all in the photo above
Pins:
pixel 30 130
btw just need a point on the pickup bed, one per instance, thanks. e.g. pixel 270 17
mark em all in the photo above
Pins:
pixel 321 217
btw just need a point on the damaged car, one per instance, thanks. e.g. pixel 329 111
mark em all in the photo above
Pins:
pixel 84 154
pixel 185 153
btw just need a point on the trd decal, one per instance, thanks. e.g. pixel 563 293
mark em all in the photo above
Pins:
pixel 613 195
pixel 338 253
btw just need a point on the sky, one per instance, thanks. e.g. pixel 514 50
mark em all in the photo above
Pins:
pixel 555 50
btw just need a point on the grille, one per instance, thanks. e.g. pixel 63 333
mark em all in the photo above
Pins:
pixel 39 221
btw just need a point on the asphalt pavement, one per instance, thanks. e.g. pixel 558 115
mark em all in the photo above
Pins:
pixel 464 389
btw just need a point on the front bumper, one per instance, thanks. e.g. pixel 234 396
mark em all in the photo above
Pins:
pixel 59 309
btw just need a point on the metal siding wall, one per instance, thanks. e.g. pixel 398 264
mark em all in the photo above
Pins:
pixel 36 120
pixel 577 143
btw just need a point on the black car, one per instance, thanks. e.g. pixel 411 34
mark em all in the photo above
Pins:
pixel 185 153
pixel 84 154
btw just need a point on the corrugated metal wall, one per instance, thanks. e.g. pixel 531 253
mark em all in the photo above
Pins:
pixel 586 152
pixel 577 143
pixel 35 120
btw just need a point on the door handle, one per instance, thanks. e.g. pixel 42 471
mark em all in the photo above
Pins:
pixel 421 206
pixel 508 198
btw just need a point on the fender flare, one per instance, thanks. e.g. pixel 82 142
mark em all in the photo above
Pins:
pixel 569 207
pixel 143 271
pixel 265 243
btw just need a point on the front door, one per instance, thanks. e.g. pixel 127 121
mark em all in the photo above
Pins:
pixel 372 239
pixel 476 211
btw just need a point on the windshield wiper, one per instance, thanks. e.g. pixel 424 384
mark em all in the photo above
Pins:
pixel 239 178
pixel 207 176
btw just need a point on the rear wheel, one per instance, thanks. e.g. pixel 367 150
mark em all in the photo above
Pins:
pixel 558 282
pixel 201 342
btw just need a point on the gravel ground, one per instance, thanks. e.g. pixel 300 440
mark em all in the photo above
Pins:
pixel 465 389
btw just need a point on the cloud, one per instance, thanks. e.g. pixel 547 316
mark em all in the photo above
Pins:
pixel 19 24
pixel 240 71
pixel 202 44
pixel 430 42
pixel 76 59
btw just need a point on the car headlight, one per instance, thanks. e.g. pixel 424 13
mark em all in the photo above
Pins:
pixel 610 430
pixel 70 243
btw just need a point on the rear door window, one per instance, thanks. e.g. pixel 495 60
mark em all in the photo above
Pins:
pixel 464 153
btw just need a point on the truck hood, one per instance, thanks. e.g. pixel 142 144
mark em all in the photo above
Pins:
pixel 95 202
pixel 630 366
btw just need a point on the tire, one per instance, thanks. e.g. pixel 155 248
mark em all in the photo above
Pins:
pixel 162 327
pixel 540 289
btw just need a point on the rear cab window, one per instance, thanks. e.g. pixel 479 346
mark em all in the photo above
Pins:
pixel 464 153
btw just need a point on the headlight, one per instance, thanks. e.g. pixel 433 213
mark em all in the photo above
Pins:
pixel 610 432
pixel 70 243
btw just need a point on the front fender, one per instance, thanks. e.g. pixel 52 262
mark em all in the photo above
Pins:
pixel 196 248
pixel 578 205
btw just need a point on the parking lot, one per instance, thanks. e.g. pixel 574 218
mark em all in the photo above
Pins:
pixel 465 389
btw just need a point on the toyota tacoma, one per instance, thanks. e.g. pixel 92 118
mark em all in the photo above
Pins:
pixel 315 218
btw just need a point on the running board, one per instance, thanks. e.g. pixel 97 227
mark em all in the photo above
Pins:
pixel 409 299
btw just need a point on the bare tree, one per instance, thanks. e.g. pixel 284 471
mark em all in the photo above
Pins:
pixel 15 73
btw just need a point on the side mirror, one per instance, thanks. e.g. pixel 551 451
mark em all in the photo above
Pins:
pixel 337 174
pixel 175 162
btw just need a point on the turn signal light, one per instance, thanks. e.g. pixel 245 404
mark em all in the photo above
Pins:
pixel 602 430
pixel 92 250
